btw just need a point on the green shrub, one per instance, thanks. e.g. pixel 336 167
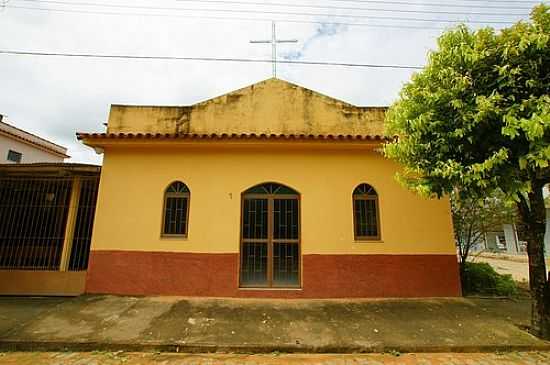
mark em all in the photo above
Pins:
pixel 481 278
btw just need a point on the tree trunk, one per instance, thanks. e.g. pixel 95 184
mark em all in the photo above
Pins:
pixel 533 216
pixel 463 277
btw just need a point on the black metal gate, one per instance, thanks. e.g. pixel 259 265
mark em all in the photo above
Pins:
pixel 34 214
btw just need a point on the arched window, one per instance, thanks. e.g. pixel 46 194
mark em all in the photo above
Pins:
pixel 366 217
pixel 176 210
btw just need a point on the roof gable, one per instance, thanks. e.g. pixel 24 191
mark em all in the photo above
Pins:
pixel 33 140
pixel 271 106
pixel 271 83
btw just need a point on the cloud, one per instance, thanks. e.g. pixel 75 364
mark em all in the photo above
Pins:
pixel 322 30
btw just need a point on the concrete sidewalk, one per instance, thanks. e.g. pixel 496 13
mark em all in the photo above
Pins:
pixel 110 323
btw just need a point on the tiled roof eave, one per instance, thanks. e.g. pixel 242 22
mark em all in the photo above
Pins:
pixel 232 136
pixel 43 146
pixel 30 138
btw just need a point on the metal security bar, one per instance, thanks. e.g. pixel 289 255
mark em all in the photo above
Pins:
pixel 270 237
pixel 366 217
pixel 254 254
pixel 35 218
pixel 82 238
pixel 366 224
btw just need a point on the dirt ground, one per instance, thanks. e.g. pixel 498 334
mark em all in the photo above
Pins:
pixel 115 358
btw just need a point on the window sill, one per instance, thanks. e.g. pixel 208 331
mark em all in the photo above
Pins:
pixel 173 237
pixel 272 289
pixel 367 241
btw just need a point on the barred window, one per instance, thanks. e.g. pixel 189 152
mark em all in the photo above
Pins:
pixel 176 210
pixel 366 217
pixel 14 156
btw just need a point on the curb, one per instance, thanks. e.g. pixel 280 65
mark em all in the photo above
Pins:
pixel 29 346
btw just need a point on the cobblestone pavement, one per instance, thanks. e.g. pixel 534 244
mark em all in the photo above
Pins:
pixel 113 358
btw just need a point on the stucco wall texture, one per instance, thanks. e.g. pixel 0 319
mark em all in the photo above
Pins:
pixel 414 257
pixel 133 182
pixel 270 106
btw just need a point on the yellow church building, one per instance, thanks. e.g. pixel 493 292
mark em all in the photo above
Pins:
pixel 270 191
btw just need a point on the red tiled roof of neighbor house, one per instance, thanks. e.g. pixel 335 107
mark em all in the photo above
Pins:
pixel 32 139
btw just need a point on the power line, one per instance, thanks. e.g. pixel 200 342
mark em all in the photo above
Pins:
pixel 502 1
pixel 345 8
pixel 206 59
pixel 248 11
pixel 390 2
pixel 292 21
pixel 278 4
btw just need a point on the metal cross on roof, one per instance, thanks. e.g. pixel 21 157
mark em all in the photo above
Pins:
pixel 274 42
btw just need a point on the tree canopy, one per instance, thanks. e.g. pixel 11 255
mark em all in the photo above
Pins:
pixel 478 115
pixel 476 120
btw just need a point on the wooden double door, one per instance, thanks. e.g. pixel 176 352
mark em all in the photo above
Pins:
pixel 270 237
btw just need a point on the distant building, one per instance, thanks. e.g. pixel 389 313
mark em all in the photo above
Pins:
pixel 506 240
pixel 18 146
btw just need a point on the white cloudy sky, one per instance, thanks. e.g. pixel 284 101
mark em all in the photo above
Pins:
pixel 55 96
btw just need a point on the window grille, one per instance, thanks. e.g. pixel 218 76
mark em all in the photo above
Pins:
pixel 14 156
pixel 84 223
pixel 270 237
pixel 366 213
pixel 176 210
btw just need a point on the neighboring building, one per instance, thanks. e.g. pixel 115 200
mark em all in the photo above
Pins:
pixel 46 218
pixel 18 146
pixel 269 191
pixel 507 239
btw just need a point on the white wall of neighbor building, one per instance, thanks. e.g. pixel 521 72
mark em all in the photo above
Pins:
pixel 30 153
pixel 31 147
pixel 546 193
pixel 511 243
pixel 511 238
pixel 547 234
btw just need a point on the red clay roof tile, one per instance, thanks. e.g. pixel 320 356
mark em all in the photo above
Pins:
pixel 214 136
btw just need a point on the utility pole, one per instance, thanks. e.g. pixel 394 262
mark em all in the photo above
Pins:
pixel 274 42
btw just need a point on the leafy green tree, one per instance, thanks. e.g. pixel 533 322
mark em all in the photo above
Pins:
pixel 477 119
pixel 473 218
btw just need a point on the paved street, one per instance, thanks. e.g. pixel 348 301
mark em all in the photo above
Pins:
pixel 110 358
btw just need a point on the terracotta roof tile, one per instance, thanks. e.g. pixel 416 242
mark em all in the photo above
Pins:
pixel 223 136
pixel 30 138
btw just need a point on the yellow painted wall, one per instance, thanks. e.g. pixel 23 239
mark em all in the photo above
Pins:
pixel 271 106
pixel 129 210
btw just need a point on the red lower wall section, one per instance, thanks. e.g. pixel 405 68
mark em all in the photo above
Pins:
pixel 324 276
